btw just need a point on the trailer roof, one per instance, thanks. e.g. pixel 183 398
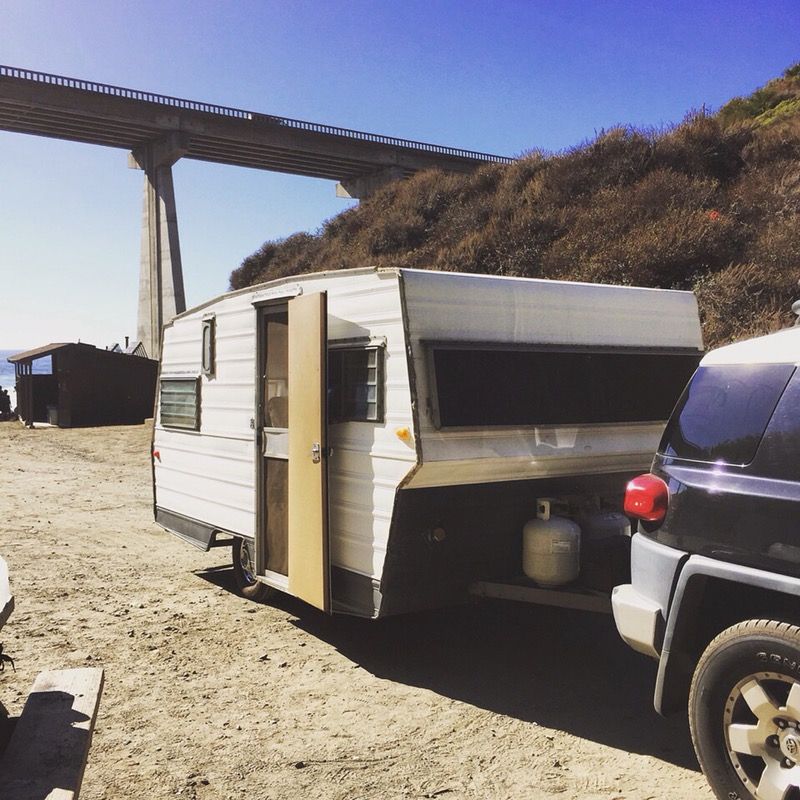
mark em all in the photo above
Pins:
pixel 445 275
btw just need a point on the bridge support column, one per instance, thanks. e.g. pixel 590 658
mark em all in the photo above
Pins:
pixel 360 187
pixel 161 294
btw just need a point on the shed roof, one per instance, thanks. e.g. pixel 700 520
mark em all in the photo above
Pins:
pixel 44 350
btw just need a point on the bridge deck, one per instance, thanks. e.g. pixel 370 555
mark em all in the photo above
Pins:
pixel 68 108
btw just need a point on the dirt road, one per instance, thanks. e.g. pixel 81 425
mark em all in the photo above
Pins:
pixel 209 696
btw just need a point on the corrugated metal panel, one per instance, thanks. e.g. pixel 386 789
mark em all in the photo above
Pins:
pixel 517 311
pixel 483 308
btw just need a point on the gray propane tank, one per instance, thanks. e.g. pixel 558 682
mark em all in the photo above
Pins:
pixel 603 524
pixel 551 548
pixel 605 549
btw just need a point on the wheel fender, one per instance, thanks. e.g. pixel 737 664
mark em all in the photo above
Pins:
pixel 676 664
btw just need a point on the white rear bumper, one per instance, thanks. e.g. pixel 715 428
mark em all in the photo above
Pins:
pixel 638 619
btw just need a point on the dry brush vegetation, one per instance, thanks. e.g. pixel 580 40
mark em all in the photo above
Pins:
pixel 712 205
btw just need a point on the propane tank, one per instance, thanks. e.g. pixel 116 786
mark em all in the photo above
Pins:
pixel 605 549
pixel 551 548
pixel 599 525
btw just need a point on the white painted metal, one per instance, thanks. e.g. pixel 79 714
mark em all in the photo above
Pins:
pixel 448 307
pixel 551 548
pixel 777 348
pixel 209 475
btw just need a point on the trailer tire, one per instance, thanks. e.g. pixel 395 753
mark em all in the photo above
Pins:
pixel 744 711
pixel 244 572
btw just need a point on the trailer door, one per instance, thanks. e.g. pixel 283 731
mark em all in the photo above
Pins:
pixel 309 570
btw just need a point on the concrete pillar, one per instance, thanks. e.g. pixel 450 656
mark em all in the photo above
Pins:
pixel 360 187
pixel 161 294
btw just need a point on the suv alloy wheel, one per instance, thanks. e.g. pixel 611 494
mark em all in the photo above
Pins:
pixel 744 711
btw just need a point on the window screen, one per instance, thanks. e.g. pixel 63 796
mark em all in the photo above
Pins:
pixel 355 378
pixel 485 387
pixel 724 412
pixel 209 347
pixel 180 403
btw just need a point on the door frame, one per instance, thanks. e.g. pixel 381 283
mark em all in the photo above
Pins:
pixel 262 310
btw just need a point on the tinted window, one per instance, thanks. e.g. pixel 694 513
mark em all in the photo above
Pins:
pixel 724 411
pixel 523 387
pixel 779 451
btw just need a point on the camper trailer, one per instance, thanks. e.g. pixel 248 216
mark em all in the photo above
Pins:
pixel 380 441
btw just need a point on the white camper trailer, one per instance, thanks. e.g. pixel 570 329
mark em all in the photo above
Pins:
pixel 373 441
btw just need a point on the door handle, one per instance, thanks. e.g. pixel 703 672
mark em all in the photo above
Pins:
pixel 316 453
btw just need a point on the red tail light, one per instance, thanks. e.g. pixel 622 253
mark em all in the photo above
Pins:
pixel 647 498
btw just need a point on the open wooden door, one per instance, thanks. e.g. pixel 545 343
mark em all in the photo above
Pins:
pixel 309 564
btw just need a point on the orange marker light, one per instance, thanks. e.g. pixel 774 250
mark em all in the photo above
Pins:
pixel 404 435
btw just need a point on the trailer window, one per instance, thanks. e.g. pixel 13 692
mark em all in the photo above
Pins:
pixel 724 412
pixel 486 387
pixel 180 403
pixel 355 381
pixel 209 347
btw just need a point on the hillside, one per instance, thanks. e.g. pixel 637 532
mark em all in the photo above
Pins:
pixel 712 204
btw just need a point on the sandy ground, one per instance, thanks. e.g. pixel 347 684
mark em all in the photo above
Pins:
pixel 210 696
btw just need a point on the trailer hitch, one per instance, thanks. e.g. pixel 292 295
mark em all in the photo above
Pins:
pixel 4 658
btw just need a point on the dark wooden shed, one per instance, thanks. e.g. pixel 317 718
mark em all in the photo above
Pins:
pixel 88 386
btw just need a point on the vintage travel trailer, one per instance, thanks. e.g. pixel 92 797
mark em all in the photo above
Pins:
pixel 378 441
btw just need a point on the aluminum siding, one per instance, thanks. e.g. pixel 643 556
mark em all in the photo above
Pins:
pixel 209 475
pixel 516 311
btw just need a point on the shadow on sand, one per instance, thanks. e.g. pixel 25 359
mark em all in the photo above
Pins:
pixel 562 669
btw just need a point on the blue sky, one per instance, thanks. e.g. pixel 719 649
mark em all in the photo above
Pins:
pixel 501 77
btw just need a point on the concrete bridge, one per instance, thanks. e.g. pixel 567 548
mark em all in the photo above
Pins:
pixel 157 130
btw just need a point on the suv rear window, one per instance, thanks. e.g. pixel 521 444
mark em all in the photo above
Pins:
pixel 724 412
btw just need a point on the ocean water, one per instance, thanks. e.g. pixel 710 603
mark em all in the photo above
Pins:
pixel 42 367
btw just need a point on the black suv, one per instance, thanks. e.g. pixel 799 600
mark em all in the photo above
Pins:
pixel 715 568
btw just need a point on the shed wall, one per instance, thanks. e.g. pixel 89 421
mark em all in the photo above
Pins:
pixel 98 387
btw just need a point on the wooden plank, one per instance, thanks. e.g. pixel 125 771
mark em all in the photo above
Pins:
pixel 526 593
pixel 46 756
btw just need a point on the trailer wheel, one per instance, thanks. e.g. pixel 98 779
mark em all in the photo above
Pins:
pixel 744 711
pixel 244 572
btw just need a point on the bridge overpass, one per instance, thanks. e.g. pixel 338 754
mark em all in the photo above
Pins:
pixel 157 130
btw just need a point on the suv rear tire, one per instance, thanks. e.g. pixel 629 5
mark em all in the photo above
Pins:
pixel 744 711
